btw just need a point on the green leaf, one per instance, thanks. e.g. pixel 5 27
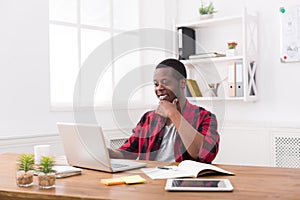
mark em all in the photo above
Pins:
pixel 210 9
pixel 26 162
pixel 46 164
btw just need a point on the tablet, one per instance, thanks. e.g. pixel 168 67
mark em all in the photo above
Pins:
pixel 198 185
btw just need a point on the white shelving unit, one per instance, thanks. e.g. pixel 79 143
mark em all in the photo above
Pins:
pixel 212 35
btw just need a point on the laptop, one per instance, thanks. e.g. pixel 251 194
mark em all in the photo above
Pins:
pixel 84 146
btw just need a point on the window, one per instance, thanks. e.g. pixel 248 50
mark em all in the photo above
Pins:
pixel 76 29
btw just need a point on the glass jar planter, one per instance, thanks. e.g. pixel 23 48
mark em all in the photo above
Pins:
pixel 24 179
pixel 46 180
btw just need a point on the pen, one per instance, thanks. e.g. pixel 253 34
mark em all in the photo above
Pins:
pixel 163 167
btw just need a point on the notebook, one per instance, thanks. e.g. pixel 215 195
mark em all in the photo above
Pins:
pixel 84 146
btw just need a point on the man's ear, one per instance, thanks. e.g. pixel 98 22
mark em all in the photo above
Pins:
pixel 182 83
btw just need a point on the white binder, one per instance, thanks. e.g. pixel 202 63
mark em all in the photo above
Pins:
pixel 231 80
pixel 239 86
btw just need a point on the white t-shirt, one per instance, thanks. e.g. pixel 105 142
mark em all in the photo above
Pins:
pixel 166 151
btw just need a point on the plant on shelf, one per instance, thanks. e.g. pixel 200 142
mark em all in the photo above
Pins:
pixel 25 170
pixel 46 173
pixel 207 10
pixel 231 45
pixel 231 51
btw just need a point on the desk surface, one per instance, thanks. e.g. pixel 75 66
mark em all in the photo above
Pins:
pixel 249 183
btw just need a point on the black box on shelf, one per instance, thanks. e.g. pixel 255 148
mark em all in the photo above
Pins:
pixel 186 42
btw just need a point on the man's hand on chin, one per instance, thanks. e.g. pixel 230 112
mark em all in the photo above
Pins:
pixel 165 107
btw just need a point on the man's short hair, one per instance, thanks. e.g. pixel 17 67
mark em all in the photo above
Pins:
pixel 176 65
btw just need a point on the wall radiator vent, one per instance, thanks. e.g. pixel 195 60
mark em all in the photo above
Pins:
pixel 117 142
pixel 287 151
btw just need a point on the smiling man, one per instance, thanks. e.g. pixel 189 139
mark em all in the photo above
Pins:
pixel 176 130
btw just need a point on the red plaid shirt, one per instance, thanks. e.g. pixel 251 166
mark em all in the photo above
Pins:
pixel 149 132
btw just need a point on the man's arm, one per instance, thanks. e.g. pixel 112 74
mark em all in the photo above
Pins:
pixel 193 141
pixel 114 153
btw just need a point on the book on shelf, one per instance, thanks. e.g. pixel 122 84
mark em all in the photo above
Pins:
pixel 231 79
pixel 207 55
pixel 186 168
pixel 193 88
pixel 239 91
pixel 187 92
pixel 235 79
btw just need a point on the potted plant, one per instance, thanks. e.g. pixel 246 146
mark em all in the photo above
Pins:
pixel 24 175
pixel 206 11
pixel 46 175
pixel 231 51
pixel 231 45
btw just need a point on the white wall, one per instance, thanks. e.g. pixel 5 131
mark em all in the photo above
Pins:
pixel 24 77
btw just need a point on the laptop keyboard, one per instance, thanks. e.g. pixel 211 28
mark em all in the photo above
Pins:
pixel 117 165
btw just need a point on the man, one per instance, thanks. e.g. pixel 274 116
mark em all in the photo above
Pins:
pixel 176 130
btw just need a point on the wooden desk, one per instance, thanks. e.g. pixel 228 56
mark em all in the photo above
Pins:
pixel 249 183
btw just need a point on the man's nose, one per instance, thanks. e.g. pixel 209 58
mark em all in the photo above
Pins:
pixel 160 86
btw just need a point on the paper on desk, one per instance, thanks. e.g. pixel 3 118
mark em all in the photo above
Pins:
pixel 174 172
pixel 186 168
pixel 124 179
pixel 133 179
pixel 112 181
pixel 60 160
pixel 66 171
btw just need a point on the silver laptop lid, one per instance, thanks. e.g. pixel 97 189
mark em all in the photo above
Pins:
pixel 84 146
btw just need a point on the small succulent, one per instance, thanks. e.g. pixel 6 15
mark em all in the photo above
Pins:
pixel 46 176
pixel 26 162
pixel 25 170
pixel 46 164
pixel 203 10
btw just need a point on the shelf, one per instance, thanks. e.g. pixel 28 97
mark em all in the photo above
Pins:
pixel 209 36
pixel 211 22
pixel 213 59
pixel 199 99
